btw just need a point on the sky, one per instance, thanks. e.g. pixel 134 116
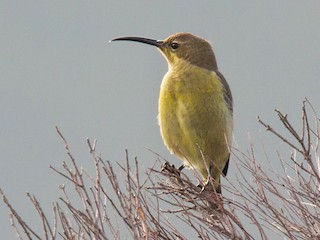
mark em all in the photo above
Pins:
pixel 58 68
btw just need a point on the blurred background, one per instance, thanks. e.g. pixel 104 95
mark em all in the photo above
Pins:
pixel 58 69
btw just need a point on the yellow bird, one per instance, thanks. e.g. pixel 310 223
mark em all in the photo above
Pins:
pixel 195 104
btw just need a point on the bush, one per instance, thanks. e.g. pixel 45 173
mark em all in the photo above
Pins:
pixel 167 204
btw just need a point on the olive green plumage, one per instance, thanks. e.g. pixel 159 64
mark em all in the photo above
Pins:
pixel 195 104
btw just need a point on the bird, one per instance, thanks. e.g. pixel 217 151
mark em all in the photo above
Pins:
pixel 195 105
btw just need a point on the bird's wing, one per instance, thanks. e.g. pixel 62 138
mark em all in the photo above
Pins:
pixel 227 91
pixel 228 98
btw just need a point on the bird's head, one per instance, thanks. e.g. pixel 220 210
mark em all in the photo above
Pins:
pixel 182 46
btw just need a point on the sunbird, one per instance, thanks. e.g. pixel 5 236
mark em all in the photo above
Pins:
pixel 195 105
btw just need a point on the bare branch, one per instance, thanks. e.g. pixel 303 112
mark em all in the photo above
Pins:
pixel 120 201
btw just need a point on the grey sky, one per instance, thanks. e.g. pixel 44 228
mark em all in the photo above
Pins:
pixel 58 68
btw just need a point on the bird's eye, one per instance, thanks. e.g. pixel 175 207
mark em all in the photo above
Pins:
pixel 174 45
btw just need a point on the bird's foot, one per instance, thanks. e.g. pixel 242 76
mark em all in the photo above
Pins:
pixel 173 173
pixel 171 169
pixel 181 167
pixel 212 196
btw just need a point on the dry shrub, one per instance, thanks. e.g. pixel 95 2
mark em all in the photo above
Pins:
pixel 166 204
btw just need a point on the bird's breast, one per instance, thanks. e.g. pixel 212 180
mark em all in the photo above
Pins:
pixel 192 111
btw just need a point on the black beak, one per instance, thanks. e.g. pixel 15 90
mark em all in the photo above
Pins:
pixel 157 43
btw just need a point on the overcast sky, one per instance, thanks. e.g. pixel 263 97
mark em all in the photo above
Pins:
pixel 58 69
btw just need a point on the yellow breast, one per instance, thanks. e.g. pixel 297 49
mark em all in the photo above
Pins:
pixel 194 119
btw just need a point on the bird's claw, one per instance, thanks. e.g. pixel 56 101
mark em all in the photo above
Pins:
pixel 171 169
pixel 211 196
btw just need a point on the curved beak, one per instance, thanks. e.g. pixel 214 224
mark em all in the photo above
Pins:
pixel 157 43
